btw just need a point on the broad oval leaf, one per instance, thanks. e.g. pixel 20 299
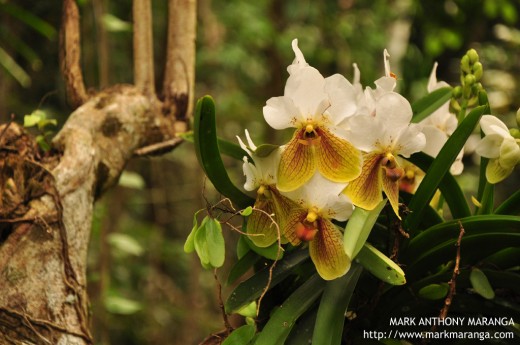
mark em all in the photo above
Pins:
pixel 380 265
pixel 241 336
pixel 480 284
pixel 215 243
pixel 434 291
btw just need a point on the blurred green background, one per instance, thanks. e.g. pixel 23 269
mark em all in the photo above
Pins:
pixel 143 288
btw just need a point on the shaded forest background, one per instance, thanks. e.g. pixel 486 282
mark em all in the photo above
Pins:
pixel 143 288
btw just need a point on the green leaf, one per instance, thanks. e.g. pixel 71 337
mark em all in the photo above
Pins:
pixel 358 228
pixel 505 258
pixel 265 150
pixel 114 24
pixel 475 248
pixel 481 284
pixel 208 154
pixel 334 302
pixel 247 211
pixel 449 231
pixel 243 265
pixel 46 122
pixel 429 103
pixel 252 288
pixel 201 244
pixel 42 142
pixel 215 243
pixel 32 119
pixel 283 318
pixel 441 165
pixel 434 291
pixel 125 243
pixel 241 336
pixel 448 186
pixel 511 205
pixel 14 69
pixel 133 180
pixel 39 25
pixel 249 310
pixel 189 245
pixel 121 306
pixel 380 265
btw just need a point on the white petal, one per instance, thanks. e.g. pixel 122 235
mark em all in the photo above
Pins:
pixel 338 207
pixel 243 146
pixel 250 142
pixel 299 60
pixel 385 84
pixel 342 98
pixel 435 140
pixel 433 84
pixel 306 88
pixel 357 74
pixel 268 167
pixel 457 167
pixel 251 174
pixel 281 113
pixel 365 132
pixel 410 140
pixel 386 57
pixel 492 125
pixel 394 109
pixel 489 146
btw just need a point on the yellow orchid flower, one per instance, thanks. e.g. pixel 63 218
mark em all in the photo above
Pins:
pixel 318 143
pixel 317 203
pixel 382 130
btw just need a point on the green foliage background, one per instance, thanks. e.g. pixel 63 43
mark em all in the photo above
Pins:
pixel 144 289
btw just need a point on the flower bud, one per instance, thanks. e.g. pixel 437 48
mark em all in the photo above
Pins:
pixel 472 55
pixel 470 80
pixel 457 92
pixel 454 106
pixel 478 70
pixel 464 64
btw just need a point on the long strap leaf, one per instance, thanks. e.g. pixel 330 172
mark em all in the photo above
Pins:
pixel 440 166
pixel 334 302
pixel 429 103
pixel 208 153
pixel 283 319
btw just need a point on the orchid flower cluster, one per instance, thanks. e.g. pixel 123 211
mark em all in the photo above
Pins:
pixel 346 152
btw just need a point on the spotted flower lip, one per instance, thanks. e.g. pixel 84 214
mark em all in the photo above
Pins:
pixel 500 147
pixel 317 144
pixel 382 131
pixel 316 204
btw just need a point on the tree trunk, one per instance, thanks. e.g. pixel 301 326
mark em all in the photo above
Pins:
pixel 46 212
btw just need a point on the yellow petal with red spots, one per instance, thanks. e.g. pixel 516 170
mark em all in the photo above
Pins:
pixel 391 187
pixel 327 251
pixel 338 160
pixel 366 190
pixel 297 163
pixel 296 217
pixel 260 226
pixel 282 207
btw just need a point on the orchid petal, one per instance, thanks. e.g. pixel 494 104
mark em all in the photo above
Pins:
pixel 299 60
pixel 410 140
pixel 365 132
pixel 252 175
pixel 327 253
pixel 386 57
pixel 492 125
pixel 306 88
pixel 496 172
pixel 489 146
pixel 394 109
pixel 281 113
pixel 250 142
pixel 261 226
pixel 297 164
pixel 342 97
pixel 366 190
pixel 433 84
pixel 295 217
pixel 435 140
pixel 391 189
pixel 338 160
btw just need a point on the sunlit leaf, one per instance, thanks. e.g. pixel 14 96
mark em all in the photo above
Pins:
pixel 114 24
pixel 131 179
pixel 215 243
pixel 380 265
pixel 121 305
pixel 125 243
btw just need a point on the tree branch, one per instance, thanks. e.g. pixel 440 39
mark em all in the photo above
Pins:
pixel 143 47
pixel 179 80
pixel 70 54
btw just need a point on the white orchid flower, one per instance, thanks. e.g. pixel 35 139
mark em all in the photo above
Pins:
pixel 500 147
pixel 315 144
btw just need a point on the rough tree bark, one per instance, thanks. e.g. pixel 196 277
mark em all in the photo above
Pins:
pixel 47 201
